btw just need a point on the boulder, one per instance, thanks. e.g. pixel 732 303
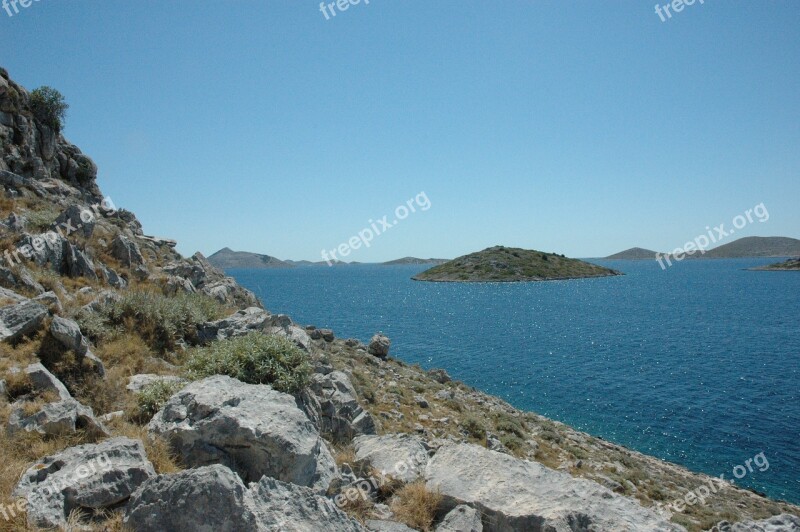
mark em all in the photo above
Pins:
pixel 44 381
pixel 330 401
pixel 439 375
pixel 50 299
pixel 138 382
pixel 178 285
pixel 462 518
pixel 776 523
pixel 126 251
pixel 213 498
pixel 282 325
pixel 20 276
pixel 20 320
pixel 111 277
pixel 400 456
pixel 87 477
pixel 56 419
pixel 76 219
pixel 78 263
pixel 252 429
pixel 379 346
pixel 517 495
pixel 239 324
pixel 11 296
pixel 69 335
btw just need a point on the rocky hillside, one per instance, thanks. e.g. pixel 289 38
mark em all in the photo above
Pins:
pixel 755 246
pixel 502 264
pixel 226 259
pixel 141 390
pixel 791 265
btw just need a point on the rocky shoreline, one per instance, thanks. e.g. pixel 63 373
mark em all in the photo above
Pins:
pixel 141 390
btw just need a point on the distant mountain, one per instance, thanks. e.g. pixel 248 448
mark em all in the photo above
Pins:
pixel 502 264
pixel 414 260
pixel 227 259
pixel 634 254
pixel 755 246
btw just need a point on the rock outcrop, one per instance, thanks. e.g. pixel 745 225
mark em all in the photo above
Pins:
pixel 86 477
pixel 20 320
pixel 331 403
pixel 517 495
pixel 215 498
pixel 400 456
pixel 252 429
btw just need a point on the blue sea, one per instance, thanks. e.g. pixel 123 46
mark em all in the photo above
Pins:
pixel 697 364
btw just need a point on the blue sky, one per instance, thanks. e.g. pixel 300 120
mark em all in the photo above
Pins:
pixel 581 128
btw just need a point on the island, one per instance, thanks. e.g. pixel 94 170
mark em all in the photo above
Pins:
pixel 504 264
pixel 634 254
pixel 413 260
pixel 227 259
pixel 791 265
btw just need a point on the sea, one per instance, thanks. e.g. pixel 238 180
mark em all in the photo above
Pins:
pixel 697 364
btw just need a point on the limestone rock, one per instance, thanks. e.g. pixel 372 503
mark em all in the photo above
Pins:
pixel 462 518
pixel 126 251
pixel 92 477
pixel 239 324
pixel 379 346
pixel 516 495
pixel 21 319
pixel 44 381
pixel 253 429
pixel 55 419
pixel 213 498
pixel 69 335
pixel 331 403
pixel 400 456
pixel 380 525
pixel 777 523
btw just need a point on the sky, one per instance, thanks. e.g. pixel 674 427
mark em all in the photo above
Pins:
pixel 581 127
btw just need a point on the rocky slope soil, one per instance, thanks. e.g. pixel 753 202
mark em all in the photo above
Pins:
pixel 141 390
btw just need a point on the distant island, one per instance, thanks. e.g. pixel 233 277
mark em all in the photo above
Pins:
pixel 502 264
pixel 634 254
pixel 785 266
pixel 227 259
pixel 755 246
pixel 414 260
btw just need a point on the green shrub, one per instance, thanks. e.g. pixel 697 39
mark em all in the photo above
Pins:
pixel 474 427
pixel 153 396
pixel 49 107
pixel 256 358
pixel 506 423
pixel 511 441
pixel 162 320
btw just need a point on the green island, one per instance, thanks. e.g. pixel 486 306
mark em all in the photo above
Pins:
pixel 503 264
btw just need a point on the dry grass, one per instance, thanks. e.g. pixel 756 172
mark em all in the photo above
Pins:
pixel 158 450
pixel 416 506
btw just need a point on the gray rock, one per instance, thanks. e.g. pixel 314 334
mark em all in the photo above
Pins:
pixel 516 495
pixel 69 335
pixel 78 263
pixel 439 375
pixel 239 324
pixel 50 299
pixel 421 401
pixel 777 523
pixel 253 429
pixel 178 285
pixel 327 335
pixel 111 277
pixel 282 325
pixel 138 382
pixel 379 346
pixel 380 525
pixel 12 296
pixel 90 477
pixel 20 320
pixel 330 401
pixel 105 297
pixel 126 251
pixel 462 518
pixel 76 219
pixel 400 456
pixel 214 499
pixel 44 381
pixel 56 419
